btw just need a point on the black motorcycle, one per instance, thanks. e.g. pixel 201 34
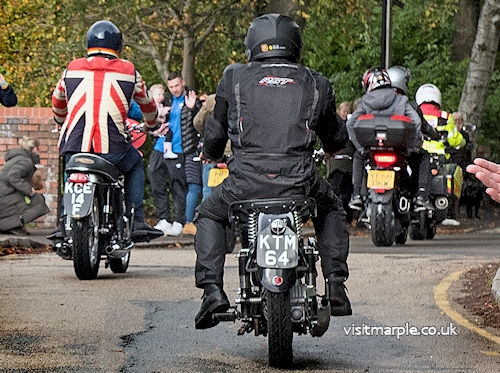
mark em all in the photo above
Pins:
pixel 277 271
pixel 94 224
pixel 388 188
pixel 445 192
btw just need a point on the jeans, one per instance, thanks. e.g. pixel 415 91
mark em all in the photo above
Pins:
pixel 130 164
pixel 192 195
pixel 206 189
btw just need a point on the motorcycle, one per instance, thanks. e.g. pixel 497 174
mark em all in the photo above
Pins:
pixel 387 181
pixel 277 272
pixel 94 225
pixel 445 192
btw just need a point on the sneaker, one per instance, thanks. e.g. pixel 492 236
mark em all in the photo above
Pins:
pixel 450 222
pixel 190 229
pixel 169 154
pixel 356 203
pixel 163 225
pixel 175 229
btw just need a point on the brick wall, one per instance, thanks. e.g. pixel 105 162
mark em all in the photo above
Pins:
pixel 16 122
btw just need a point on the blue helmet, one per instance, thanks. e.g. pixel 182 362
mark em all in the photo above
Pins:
pixel 104 38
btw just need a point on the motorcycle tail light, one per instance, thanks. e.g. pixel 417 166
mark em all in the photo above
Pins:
pixel 384 160
pixel 277 280
pixel 78 178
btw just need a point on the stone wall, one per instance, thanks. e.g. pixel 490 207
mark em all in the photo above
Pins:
pixel 16 122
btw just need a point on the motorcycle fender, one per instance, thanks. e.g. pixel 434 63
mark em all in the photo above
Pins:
pixel 277 280
pixel 78 199
pixel 384 198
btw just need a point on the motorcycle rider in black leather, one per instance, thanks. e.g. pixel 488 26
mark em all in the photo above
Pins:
pixel 271 109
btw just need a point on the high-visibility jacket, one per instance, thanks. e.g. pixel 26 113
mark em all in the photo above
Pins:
pixel 443 123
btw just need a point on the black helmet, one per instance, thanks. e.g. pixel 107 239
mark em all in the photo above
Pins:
pixel 103 37
pixel 273 35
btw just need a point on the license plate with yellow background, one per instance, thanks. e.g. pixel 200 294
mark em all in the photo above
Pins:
pixel 380 179
pixel 217 176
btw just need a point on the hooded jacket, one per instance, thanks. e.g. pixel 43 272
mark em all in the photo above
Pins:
pixel 385 101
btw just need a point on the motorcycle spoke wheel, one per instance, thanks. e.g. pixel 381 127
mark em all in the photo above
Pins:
pixel 86 248
pixel 279 328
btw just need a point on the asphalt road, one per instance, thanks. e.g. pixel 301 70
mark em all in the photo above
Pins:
pixel 143 320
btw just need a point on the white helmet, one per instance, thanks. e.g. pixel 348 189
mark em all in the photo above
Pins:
pixel 400 77
pixel 428 93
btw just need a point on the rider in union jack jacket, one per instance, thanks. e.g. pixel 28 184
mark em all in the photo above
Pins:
pixel 91 102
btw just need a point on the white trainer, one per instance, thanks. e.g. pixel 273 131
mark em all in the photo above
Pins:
pixel 175 229
pixel 163 225
pixel 451 222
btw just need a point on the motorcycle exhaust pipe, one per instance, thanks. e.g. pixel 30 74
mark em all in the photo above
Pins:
pixel 441 203
pixel 118 251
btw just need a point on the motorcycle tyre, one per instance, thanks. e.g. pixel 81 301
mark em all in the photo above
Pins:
pixel 382 224
pixel 418 231
pixel 401 235
pixel 277 311
pixel 86 245
pixel 431 232
pixel 119 265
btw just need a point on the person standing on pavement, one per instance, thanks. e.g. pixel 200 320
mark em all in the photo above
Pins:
pixel 183 171
pixel 256 104
pixel 90 104
pixel 8 97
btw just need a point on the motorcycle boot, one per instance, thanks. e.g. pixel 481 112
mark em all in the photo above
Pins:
pixel 339 302
pixel 143 232
pixel 214 301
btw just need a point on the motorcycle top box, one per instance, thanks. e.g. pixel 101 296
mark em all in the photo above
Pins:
pixel 376 130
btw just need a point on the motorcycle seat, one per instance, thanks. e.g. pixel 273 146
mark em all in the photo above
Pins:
pixel 88 162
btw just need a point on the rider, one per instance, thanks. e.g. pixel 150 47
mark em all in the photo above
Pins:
pixel 428 98
pixel 380 98
pixel 90 103
pixel 419 159
pixel 264 108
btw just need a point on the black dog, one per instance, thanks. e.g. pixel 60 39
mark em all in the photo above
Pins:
pixel 472 195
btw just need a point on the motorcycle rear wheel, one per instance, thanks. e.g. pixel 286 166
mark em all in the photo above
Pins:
pixel 277 311
pixel 86 245
pixel 382 224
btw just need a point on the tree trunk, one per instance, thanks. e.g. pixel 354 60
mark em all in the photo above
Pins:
pixel 481 63
pixel 188 72
pixel 465 29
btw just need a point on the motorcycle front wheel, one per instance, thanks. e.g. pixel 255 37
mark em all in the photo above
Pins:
pixel 86 247
pixel 277 311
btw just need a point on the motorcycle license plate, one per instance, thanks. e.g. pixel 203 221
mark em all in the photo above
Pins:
pixel 217 176
pixel 380 179
pixel 78 199
pixel 277 251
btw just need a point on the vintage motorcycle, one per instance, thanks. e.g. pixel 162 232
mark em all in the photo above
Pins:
pixel 94 224
pixel 387 182
pixel 277 272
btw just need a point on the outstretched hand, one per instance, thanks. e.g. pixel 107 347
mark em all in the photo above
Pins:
pixel 190 99
pixel 489 174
